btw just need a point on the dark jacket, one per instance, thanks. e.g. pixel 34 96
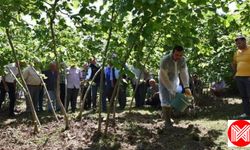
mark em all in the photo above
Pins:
pixel 51 80
pixel 94 69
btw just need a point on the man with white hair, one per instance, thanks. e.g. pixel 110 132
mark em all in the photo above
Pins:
pixel 74 77
pixel 153 94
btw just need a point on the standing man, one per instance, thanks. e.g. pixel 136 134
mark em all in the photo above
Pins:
pixel 170 67
pixel 74 77
pixel 84 87
pixel 107 87
pixel 63 82
pixel 241 65
pixel 140 79
pixel 8 84
pixel 122 97
pixel 33 82
pixel 93 68
pixel 50 82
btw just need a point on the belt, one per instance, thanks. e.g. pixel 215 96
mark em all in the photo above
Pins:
pixel 10 82
pixel 34 85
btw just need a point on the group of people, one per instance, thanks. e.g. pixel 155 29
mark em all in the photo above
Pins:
pixel 173 72
pixel 74 82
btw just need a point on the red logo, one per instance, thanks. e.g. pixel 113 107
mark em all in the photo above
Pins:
pixel 239 133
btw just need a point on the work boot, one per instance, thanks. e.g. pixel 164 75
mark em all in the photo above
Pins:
pixel 166 116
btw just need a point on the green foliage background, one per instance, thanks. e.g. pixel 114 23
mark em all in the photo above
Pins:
pixel 205 28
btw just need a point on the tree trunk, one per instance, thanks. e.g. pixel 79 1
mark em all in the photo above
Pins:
pixel 58 99
pixel 136 88
pixel 66 84
pixel 85 95
pixel 47 94
pixel 116 99
pixel 137 83
pixel 109 107
pixel 120 77
pixel 103 64
pixel 34 115
pixel 116 86
pixel 114 106
pixel 18 82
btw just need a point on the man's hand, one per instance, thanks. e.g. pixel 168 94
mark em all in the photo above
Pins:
pixel 188 92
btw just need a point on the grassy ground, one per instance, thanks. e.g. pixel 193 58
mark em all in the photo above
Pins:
pixel 204 128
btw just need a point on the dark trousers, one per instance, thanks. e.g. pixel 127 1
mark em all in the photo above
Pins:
pixel 62 93
pixel 122 98
pixel 34 93
pixel 12 96
pixel 72 97
pixel 140 95
pixel 40 103
pixel 107 93
pixel 87 104
pixel 154 101
pixel 243 84
pixel 94 90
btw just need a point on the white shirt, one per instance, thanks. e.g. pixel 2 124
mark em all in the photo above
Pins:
pixel 74 76
pixel 88 74
pixel 117 73
pixel 9 77
pixel 139 74
pixel 31 77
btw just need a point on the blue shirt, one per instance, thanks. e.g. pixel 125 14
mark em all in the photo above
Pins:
pixel 108 74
